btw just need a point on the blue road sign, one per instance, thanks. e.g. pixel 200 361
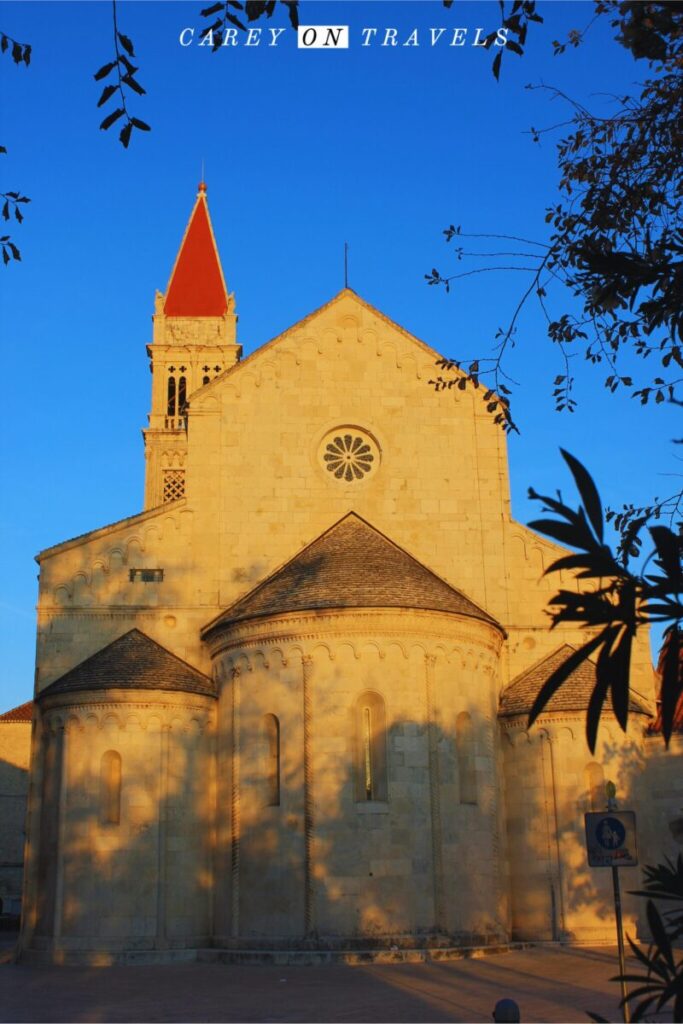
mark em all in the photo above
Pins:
pixel 611 839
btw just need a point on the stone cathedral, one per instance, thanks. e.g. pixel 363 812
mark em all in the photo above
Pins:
pixel 284 706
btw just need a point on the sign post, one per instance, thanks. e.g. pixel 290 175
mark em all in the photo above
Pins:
pixel 611 843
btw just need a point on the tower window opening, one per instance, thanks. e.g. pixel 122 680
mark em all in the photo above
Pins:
pixel 171 397
pixel 182 395
pixel 174 484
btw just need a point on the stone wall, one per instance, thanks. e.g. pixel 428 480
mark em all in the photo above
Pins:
pixel 551 781
pixel 418 855
pixel 15 752
pixel 137 873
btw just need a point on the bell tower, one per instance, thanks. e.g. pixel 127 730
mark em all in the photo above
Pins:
pixel 194 339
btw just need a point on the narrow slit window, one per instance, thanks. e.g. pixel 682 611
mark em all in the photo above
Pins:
pixel 371 747
pixel 110 788
pixel 272 737
pixel 367 752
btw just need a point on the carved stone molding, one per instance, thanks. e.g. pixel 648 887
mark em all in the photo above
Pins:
pixel 432 632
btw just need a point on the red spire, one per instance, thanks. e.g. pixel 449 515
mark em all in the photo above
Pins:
pixel 197 287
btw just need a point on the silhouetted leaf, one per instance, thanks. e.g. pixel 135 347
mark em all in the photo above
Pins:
pixel 124 135
pixel 597 697
pixel 111 118
pixel 659 934
pixel 587 490
pixel 108 91
pixel 672 683
pixel 104 71
pixel 133 84
pixel 126 43
pixel 555 680
pixel 293 9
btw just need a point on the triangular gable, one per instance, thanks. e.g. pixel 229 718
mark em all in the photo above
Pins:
pixel 197 286
pixel 100 531
pixel 351 565
pixel 345 293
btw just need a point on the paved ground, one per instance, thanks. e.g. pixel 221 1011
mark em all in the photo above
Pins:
pixel 549 985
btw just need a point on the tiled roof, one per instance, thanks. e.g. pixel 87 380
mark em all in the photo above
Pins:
pixel 573 695
pixel 22 713
pixel 352 565
pixel 132 662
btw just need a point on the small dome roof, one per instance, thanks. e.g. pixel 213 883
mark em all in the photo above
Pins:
pixel 351 565
pixel 132 662
pixel 573 695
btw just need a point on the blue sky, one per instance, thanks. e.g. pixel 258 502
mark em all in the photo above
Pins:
pixel 382 147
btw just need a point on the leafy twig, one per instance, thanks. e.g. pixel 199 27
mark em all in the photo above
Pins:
pixel 11 204
pixel 21 52
pixel 125 72
pixel 230 21
pixel 622 604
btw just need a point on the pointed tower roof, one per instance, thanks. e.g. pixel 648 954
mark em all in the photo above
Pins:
pixel 351 565
pixel 197 286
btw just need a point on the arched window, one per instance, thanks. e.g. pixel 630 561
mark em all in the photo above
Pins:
pixel 595 783
pixel 170 400
pixel 182 396
pixel 371 747
pixel 271 729
pixel 467 769
pixel 110 788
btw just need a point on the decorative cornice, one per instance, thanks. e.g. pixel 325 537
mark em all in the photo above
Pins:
pixel 348 624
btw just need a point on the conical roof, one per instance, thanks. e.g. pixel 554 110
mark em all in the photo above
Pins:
pixel 197 286
pixel 351 565
pixel 573 695
pixel 132 662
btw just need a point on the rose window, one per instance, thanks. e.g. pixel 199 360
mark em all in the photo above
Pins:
pixel 349 455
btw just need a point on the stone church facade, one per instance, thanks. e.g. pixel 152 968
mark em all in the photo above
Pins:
pixel 285 705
